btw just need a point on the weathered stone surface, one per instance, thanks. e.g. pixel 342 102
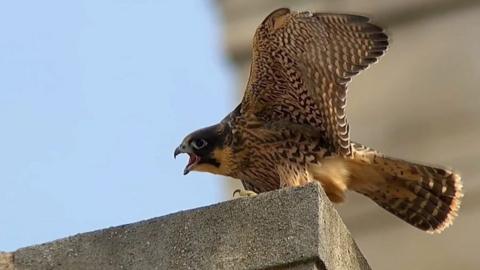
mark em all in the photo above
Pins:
pixel 295 228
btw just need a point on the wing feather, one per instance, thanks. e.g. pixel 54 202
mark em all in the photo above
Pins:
pixel 301 65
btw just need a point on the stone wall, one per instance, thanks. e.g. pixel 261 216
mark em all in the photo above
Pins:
pixel 295 228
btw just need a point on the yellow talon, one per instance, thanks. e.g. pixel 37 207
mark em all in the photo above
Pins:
pixel 243 193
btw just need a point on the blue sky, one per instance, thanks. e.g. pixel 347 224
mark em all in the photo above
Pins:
pixel 94 97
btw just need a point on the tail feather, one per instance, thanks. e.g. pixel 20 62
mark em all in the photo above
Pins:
pixel 424 196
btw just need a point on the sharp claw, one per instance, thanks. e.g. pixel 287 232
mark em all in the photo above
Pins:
pixel 244 193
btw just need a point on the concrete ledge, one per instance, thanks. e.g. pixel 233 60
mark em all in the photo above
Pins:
pixel 294 228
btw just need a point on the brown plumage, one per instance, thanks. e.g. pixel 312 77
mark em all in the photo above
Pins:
pixel 291 128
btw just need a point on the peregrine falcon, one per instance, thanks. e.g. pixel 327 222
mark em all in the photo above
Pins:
pixel 291 128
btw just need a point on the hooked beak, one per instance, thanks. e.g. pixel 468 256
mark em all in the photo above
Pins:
pixel 177 152
pixel 193 158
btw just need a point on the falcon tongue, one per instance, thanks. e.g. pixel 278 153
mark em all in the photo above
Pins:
pixel 192 161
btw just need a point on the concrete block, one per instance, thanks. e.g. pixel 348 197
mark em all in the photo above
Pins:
pixel 293 228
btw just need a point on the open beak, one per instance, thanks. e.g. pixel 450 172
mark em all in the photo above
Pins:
pixel 193 158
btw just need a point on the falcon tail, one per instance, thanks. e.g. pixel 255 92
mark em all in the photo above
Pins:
pixel 426 197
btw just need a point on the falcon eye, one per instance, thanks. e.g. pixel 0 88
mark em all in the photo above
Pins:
pixel 199 143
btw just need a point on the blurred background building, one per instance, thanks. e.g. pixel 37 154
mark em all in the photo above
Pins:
pixel 421 102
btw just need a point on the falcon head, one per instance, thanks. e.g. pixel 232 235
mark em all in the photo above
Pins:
pixel 206 150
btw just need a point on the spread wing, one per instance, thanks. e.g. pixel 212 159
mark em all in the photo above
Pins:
pixel 301 65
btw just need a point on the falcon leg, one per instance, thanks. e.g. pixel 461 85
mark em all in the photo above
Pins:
pixel 243 193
